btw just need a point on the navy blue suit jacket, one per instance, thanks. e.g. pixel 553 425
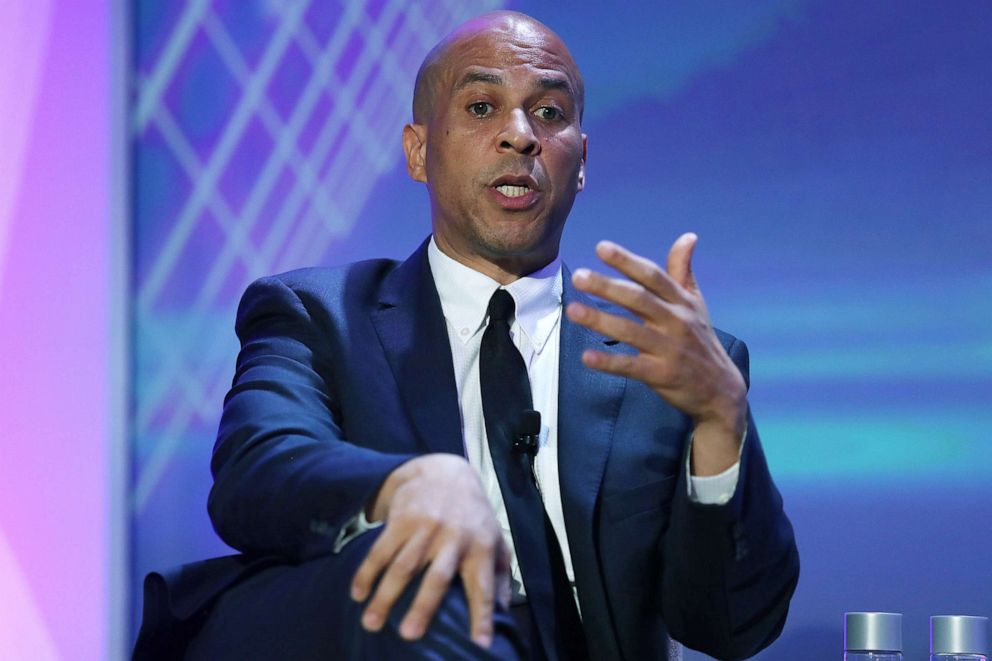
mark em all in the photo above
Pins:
pixel 345 373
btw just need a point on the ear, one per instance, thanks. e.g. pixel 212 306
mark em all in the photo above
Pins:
pixel 415 147
pixel 582 165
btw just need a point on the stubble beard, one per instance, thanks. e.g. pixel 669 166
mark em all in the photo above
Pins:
pixel 515 245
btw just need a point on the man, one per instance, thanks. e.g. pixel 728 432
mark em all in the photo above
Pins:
pixel 364 472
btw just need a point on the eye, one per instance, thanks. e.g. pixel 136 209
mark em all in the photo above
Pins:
pixel 481 108
pixel 549 113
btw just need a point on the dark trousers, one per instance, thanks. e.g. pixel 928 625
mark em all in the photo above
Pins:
pixel 304 612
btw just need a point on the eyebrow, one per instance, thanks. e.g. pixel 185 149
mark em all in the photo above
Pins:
pixel 473 77
pixel 555 84
pixel 545 82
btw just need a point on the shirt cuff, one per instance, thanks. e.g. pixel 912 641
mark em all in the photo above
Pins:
pixel 713 489
pixel 354 527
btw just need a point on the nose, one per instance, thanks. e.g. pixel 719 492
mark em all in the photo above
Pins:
pixel 517 135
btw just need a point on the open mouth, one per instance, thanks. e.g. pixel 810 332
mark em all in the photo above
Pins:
pixel 510 190
pixel 515 191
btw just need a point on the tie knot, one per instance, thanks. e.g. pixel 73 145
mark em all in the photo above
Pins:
pixel 501 306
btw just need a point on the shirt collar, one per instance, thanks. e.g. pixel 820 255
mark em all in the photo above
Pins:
pixel 465 294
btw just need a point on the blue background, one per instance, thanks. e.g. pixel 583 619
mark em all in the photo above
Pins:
pixel 835 159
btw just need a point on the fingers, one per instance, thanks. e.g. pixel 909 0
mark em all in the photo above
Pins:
pixel 479 579
pixel 641 270
pixel 629 332
pixel 378 557
pixel 439 518
pixel 479 575
pixel 631 295
pixel 680 261
pixel 401 563
pixel 433 586
pixel 477 569
pixel 658 298
pixel 636 367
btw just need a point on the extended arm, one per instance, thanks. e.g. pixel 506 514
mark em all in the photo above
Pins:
pixel 285 478
pixel 729 570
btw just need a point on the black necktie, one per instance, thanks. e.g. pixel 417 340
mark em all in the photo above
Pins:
pixel 505 396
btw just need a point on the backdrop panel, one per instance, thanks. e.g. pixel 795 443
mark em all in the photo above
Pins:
pixel 834 158
pixel 61 463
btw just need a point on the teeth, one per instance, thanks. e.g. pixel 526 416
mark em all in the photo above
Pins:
pixel 512 191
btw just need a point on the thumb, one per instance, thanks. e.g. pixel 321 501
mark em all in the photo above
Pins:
pixel 680 261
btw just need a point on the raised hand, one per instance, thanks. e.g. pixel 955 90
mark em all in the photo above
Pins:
pixel 679 355
pixel 437 517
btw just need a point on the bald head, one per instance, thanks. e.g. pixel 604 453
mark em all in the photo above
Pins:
pixel 436 67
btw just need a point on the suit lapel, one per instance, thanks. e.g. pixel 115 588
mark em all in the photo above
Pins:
pixel 588 405
pixel 413 334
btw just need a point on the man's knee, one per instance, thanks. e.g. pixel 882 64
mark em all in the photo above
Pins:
pixel 447 637
pixel 305 611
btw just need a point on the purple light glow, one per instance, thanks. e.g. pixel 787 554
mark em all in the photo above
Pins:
pixel 55 222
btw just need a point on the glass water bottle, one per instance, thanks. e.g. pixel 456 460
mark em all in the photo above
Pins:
pixel 959 638
pixel 873 637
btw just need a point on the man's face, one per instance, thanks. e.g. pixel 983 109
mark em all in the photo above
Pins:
pixel 503 154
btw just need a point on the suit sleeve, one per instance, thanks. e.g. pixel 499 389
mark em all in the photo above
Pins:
pixel 730 570
pixel 285 478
